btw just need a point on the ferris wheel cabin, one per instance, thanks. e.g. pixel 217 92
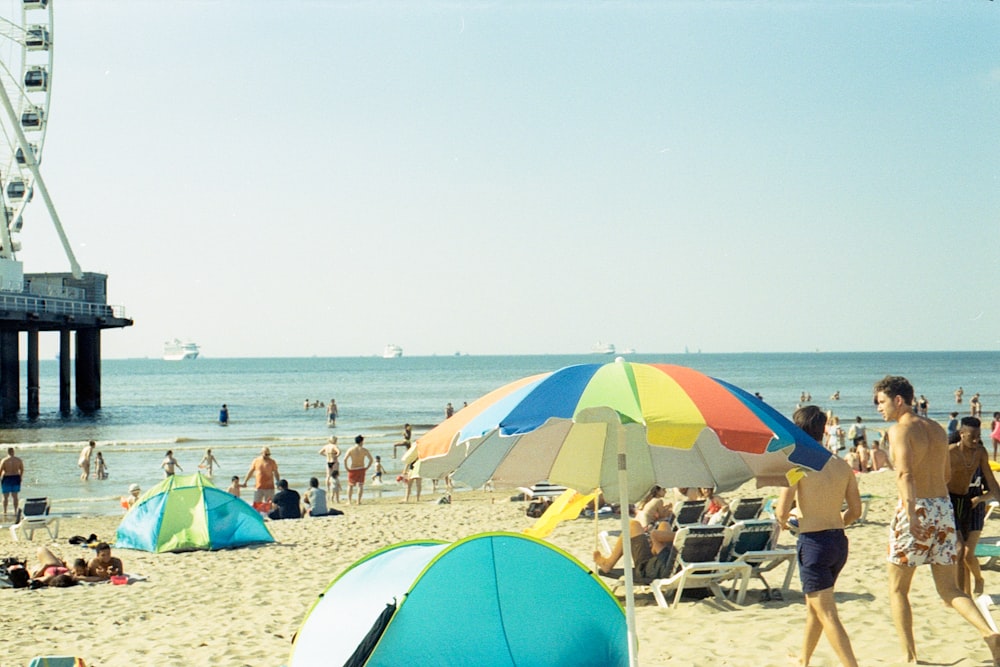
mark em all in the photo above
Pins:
pixel 32 118
pixel 36 79
pixel 16 190
pixel 19 154
pixel 38 38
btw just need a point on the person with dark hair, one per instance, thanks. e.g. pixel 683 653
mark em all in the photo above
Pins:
pixel 923 528
pixel 286 502
pixel 11 471
pixel 357 460
pixel 104 565
pixel 315 499
pixel 822 542
pixel 970 472
pixel 651 535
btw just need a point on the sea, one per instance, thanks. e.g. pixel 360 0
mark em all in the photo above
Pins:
pixel 150 406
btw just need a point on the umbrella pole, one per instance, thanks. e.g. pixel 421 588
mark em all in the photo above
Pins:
pixel 633 644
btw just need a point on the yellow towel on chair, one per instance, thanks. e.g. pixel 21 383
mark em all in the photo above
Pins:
pixel 567 506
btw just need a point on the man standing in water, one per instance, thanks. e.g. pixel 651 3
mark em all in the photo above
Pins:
pixel 923 528
pixel 11 470
pixel 357 460
pixel 822 544
pixel 84 461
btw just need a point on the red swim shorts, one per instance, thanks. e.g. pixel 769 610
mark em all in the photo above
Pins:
pixel 356 476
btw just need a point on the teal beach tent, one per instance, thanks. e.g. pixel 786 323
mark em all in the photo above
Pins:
pixel 489 599
pixel 188 512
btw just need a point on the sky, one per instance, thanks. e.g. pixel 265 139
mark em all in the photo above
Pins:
pixel 323 178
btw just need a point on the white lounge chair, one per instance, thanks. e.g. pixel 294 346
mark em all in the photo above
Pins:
pixel 35 516
pixel 695 563
pixel 688 512
pixel 755 542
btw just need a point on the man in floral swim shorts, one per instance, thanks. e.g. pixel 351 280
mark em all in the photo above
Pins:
pixel 923 529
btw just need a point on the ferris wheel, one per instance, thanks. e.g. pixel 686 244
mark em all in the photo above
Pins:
pixel 26 40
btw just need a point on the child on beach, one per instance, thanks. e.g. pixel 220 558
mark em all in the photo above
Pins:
pixel 379 470
pixel 208 462
pixel 102 470
pixel 234 488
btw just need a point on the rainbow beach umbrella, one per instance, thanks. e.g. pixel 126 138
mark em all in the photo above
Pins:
pixel 620 427
pixel 681 428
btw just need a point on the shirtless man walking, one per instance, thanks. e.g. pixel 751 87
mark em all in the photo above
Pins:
pixel 357 460
pixel 822 544
pixel 970 472
pixel 11 470
pixel 923 528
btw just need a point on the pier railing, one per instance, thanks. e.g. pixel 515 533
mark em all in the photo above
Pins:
pixel 28 303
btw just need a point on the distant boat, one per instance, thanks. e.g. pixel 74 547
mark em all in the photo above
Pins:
pixel 178 350
pixel 603 348
pixel 628 350
pixel 392 351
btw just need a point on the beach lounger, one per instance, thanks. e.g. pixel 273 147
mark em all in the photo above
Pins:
pixel 688 512
pixel 542 490
pixel 694 563
pixel 745 509
pixel 988 548
pixel 35 516
pixel 755 542
pixel 866 500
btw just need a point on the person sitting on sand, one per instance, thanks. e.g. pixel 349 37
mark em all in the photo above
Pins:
pixel 879 459
pixel 315 499
pixel 104 566
pixel 286 503
pixel 651 535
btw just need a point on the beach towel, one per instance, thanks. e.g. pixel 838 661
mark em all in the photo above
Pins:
pixel 567 506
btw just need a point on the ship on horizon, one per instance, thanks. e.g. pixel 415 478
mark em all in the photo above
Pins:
pixel 392 351
pixel 180 350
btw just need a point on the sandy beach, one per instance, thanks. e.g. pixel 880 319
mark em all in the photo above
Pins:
pixel 242 607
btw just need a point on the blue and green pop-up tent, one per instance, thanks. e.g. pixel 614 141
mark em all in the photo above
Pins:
pixel 494 599
pixel 188 512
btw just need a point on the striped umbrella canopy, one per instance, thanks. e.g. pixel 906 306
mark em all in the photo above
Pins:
pixel 680 428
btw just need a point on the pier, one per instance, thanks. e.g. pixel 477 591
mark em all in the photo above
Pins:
pixel 55 302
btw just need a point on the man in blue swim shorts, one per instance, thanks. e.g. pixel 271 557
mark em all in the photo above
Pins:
pixel 11 471
pixel 923 529
pixel 822 546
